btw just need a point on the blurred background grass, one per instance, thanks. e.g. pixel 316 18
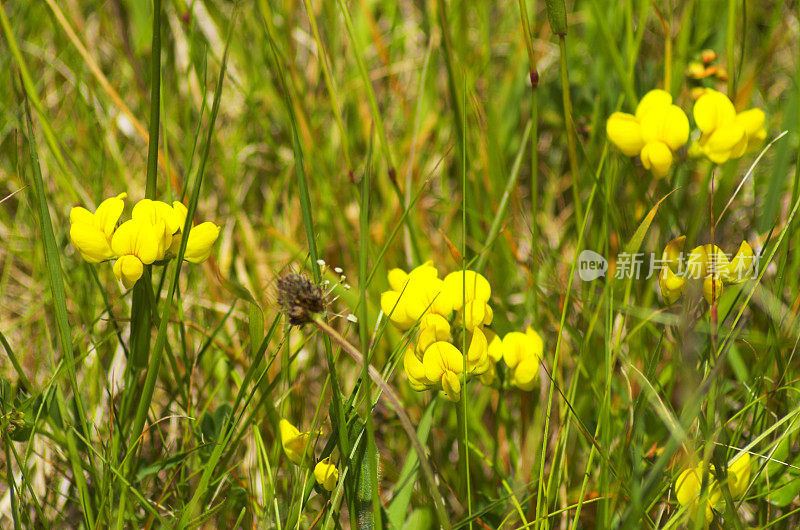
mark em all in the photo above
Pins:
pixel 434 98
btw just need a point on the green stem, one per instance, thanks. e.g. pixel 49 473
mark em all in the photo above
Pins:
pixel 729 48
pixel 570 127
pixel 155 97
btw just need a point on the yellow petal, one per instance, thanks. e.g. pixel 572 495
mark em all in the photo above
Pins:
pixel 741 265
pixel 687 487
pixel 712 288
pixel 152 212
pixel 451 386
pixel 128 269
pixel 657 157
pixel 293 441
pixel 654 99
pixel 140 239
pixel 666 124
pixel 525 374
pixel 675 132
pixel 495 345
pixel 623 130
pixel 671 285
pixel 729 141
pixel 326 474
pixel 442 357
pixel 739 475
pixel 108 213
pixel 90 241
pixel 201 241
pixel 712 111
pixel 397 279
pixel 478 352
pixel 79 214
pixel 395 308
pixel 426 271
pixel 414 368
pixel 513 348
pixel 465 286
pixel 536 346
pixel 180 212
pixel 673 252
pixel 751 120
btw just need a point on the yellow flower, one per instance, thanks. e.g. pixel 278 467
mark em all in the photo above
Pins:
pixel 726 134
pixel 655 132
pixel 137 244
pixel 706 263
pixel 200 243
pixel 294 442
pixel 443 363
pixel 91 232
pixel 327 474
pixel 739 475
pixel 687 491
pixel 414 295
pixel 522 352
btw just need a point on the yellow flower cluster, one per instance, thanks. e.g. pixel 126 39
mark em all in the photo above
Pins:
pixel 654 133
pixel 726 134
pixel 444 308
pixel 707 263
pixel 689 483
pixel 659 128
pixel 153 233
pixel 296 444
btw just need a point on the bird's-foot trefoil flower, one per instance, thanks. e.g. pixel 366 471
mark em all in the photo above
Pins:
pixel 726 134
pixel 707 264
pixel 295 443
pixel 654 133
pixel 153 234
pixel 522 353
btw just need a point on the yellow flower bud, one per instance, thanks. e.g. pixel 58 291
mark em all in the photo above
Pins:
pixel 326 474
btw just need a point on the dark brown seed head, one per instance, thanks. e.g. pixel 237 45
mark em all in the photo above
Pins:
pixel 299 298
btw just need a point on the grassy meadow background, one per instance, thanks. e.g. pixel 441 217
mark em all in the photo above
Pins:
pixel 375 134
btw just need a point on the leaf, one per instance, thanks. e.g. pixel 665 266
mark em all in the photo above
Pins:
pixel 635 243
